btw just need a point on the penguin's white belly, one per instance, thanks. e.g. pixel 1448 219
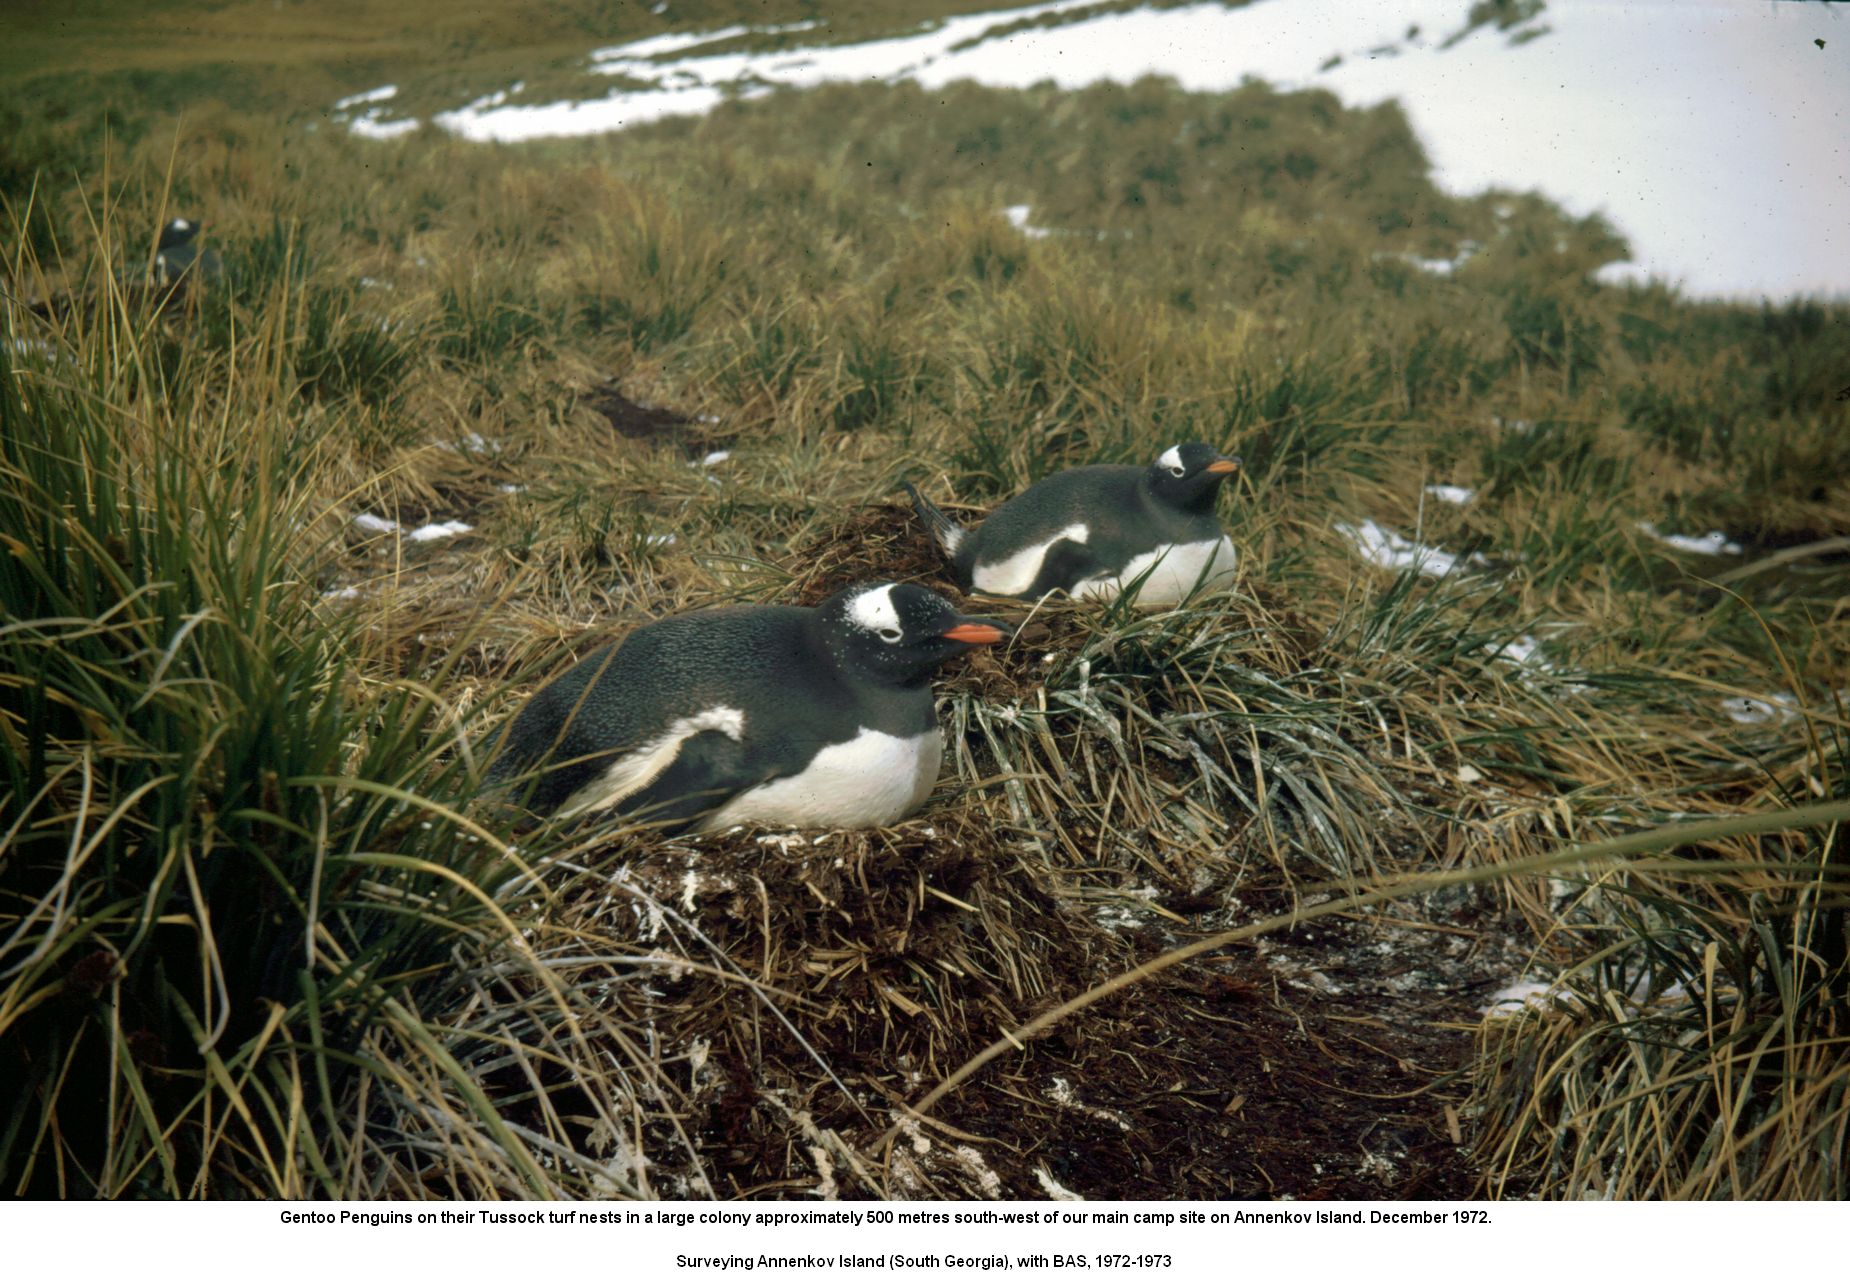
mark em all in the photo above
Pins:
pixel 1174 571
pixel 871 780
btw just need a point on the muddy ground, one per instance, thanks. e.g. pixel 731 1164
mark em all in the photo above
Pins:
pixel 1321 1066
pixel 1321 1063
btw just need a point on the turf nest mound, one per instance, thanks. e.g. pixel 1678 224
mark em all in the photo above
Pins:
pixel 774 1007
pixel 876 541
pixel 791 991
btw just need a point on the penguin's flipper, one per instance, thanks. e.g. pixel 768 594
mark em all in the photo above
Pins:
pixel 710 769
pixel 949 534
pixel 536 776
pixel 1066 565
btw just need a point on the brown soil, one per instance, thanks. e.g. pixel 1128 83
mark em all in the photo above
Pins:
pixel 645 422
pixel 1318 1064
pixel 1294 1069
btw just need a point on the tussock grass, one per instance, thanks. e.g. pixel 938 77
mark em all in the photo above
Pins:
pixel 244 894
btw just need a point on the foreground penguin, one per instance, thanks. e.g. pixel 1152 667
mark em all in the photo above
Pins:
pixel 1096 531
pixel 782 715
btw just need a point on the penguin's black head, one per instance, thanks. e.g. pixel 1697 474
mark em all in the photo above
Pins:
pixel 898 633
pixel 177 233
pixel 1188 475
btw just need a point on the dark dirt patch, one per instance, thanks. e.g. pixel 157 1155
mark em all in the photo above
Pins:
pixel 1318 1067
pixel 1318 1064
pixel 646 422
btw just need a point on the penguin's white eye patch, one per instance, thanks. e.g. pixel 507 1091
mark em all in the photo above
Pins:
pixel 891 635
pixel 874 611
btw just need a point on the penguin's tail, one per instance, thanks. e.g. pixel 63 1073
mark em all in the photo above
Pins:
pixel 947 532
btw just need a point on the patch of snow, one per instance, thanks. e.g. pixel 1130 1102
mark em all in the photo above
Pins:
pixel 1688 125
pixel 683 80
pixel 1773 709
pixel 1054 1189
pixel 711 458
pixel 658 541
pixel 656 46
pixel 1526 650
pixel 1526 653
pixel 1514 426
pixel 1712 544
pixel 509 488
pixel 384 93
pixel 1451 494
pixel 1393 551
pixel 1116 918
pixel 422 534
pixel 340 594
pixel 371 127
pixel 1678 991
pixel 1017 215
pixel 1519 995
pixel 1443 266
pixel 440 530
pixel 474 443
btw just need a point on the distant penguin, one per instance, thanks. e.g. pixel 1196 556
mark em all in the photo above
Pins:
pixel 177 255
pixel 1097 530
pixel 776 715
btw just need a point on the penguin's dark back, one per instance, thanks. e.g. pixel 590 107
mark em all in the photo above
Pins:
pixel 761 661
pixel 661 671
pixel 1065 497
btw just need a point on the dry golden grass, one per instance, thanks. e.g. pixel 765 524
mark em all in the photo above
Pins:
pixel 226 699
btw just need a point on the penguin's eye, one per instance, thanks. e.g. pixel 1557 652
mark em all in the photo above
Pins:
pixel 890 635
pixel 1176 470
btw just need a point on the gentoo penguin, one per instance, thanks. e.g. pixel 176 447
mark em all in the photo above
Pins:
pixel 781 715
pixel 1097 530
pixel 176 253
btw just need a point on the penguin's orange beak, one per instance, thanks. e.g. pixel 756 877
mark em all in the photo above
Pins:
pixel 1225 464
pixel 984 633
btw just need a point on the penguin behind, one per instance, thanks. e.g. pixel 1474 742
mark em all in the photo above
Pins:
pixel 779 715
pixel 177 255
pixel 1099 530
